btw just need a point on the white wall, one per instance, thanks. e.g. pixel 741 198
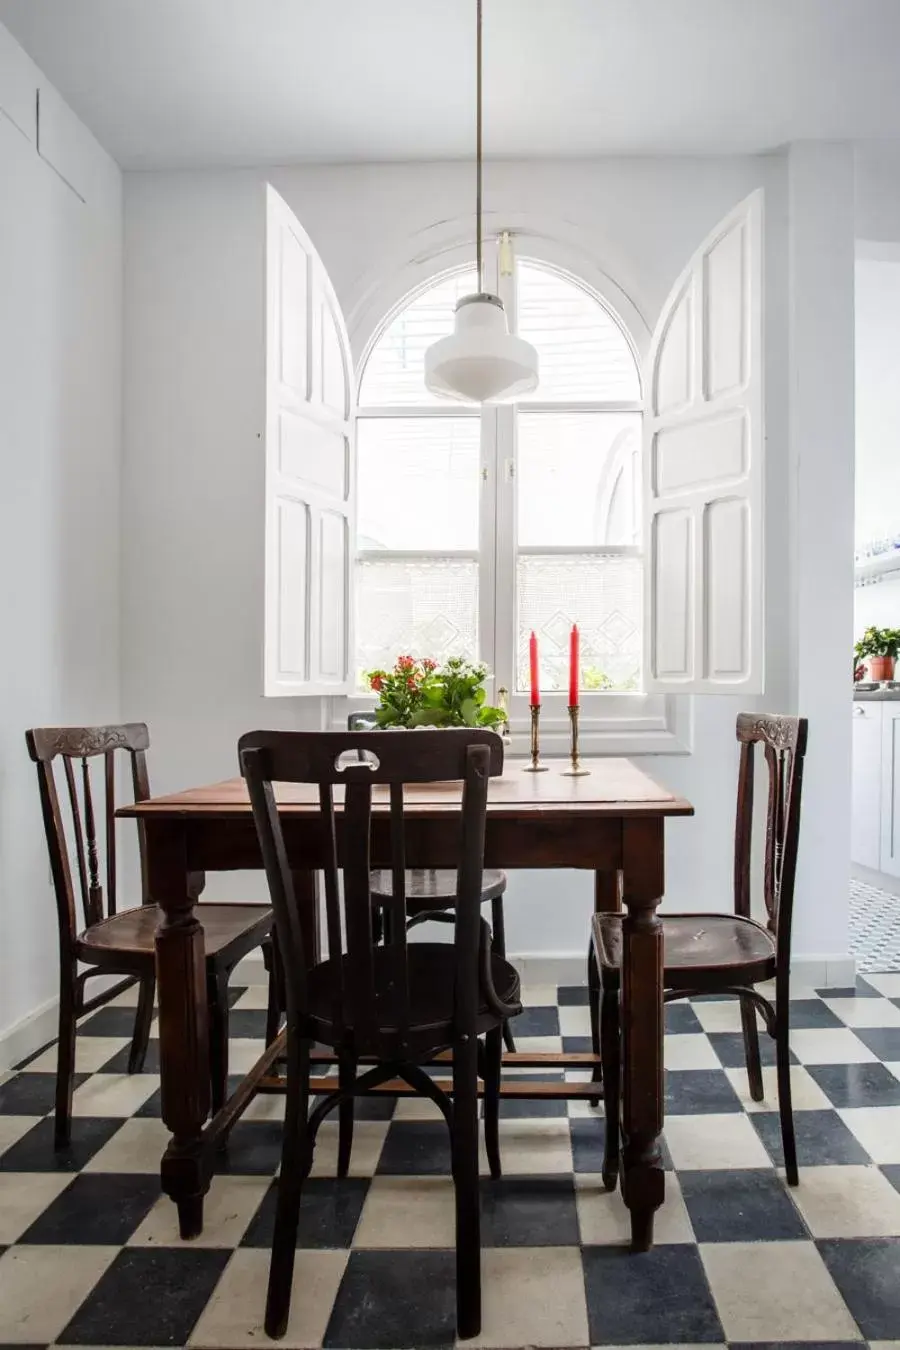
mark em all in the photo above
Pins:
pixel 60 448
pixel 877 397
pixel 192 490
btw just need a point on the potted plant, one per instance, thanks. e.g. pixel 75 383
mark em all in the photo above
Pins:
pixel 420 693
pixel 879 647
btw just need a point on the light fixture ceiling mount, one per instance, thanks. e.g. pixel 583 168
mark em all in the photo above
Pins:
pixel 480 361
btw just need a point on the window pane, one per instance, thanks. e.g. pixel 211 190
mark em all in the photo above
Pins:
pixel 579 478
pixel 427 608
pixel 603 596
pixel 395 370
pixel 418 482
pixel 583 352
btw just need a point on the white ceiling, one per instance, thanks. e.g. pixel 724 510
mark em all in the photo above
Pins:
pixel 189 82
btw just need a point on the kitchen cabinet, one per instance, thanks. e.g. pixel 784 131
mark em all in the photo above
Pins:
pixel 866 823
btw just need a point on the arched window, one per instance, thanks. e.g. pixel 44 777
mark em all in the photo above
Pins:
pixel 477 526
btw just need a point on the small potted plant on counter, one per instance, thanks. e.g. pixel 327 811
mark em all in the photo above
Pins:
pixel 420 693
pixel 879 647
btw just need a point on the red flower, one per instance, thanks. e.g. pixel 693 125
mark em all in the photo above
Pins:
pixel 405 663
pixel 377 683
pixel 410 683
pixel 429 664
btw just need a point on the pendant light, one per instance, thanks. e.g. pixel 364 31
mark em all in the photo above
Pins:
pixel 481 361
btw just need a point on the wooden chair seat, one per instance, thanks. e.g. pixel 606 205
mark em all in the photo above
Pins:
pixel 133 931
pixel 728 947
pixel 431 968
pixel 433 888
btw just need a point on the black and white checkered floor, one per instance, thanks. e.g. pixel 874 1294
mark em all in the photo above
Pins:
pixel 92 1255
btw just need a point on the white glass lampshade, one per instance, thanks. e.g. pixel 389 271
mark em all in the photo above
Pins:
pixel 481 361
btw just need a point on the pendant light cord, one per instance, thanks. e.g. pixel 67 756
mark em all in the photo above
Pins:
pixel 478 250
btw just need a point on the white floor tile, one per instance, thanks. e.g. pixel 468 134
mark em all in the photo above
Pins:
pixel 848 1202
pixel 775 1291
pixel 233 1317
pixel 604 1219
pixel 707 1142
pixel 878 1130
pixel 41 1288
pixel 806 1095
pixel 865 1012
pixel 690 1052
pixel 830 1045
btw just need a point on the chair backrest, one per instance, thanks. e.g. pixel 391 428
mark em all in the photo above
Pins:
pixel 784 742
pixel 68 746
pixel 376 1010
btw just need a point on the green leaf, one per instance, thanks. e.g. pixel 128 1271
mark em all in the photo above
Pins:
pixel 469 711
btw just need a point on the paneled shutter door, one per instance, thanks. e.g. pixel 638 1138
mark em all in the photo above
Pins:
pixel 309 468
pixel 703 470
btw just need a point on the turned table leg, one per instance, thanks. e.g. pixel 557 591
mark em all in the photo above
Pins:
pixel 643 1181
pixel 183 1022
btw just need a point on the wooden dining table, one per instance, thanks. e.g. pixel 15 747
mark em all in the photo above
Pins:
pixel 610 822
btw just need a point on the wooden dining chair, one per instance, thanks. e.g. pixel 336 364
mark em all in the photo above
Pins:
pixel 121 942
pixel 397 1003
pixel 723 953
pixel 431 892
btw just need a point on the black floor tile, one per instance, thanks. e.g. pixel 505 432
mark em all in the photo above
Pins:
pixel 654 1298
pixel 254 1149
pixel 811 1013
pixel 372 1106
pixel 329 1213
pixel 118 1063
pixel 588 1136
pixel 822 1138
pixel 515 1108
pixel 248 1024
pixel 148 1296
pixel 729 1046
pixel 536 1022
pixel 700 1092
pixel 236 992
pixel 847 1085
pixel 152 1106
pixel 744 1205
pixel 529 1212
pixel 867 1273
pixel 861 989
pixel 892 1173
pixel 109 1022
pixel 882 1041
pixel 793 1345
pixel 31 1094
pixel 680 1019
pixel 395 1300
pixel 572 996
pixel 35 1152
pixel 577 1045
pixel 416 1148
pixel 98 1209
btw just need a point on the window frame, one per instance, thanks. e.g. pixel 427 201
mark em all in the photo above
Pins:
pixel 611 723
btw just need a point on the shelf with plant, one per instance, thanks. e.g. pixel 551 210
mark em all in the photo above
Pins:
pixel 878 648
pixel 418 692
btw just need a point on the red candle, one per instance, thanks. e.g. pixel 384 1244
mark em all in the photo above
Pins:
pixel 535 674
pixel 573 666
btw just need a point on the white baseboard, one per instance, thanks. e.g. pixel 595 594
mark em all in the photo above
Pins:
pixel 23 1038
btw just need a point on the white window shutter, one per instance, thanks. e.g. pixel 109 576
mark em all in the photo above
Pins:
pixel 703 470
pixel 310 471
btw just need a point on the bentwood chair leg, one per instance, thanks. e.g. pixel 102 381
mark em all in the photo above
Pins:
pixel 465 1181
pixel 750 1025
pixel 143 1017
pixel 610 1051
pixel 593 974
pixel 296 1161
pixel 346 1076
pixel 498 945
pixel 493 1062
pixel 65 1060
pixel 218 1039
pixel 785 1108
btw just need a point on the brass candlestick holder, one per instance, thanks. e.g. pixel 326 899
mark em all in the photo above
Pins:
pixel 575 770
pixel 535 766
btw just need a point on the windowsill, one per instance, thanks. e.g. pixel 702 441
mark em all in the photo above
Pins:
pixel 611 724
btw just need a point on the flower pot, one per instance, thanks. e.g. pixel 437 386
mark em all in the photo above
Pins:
pixel 881 667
